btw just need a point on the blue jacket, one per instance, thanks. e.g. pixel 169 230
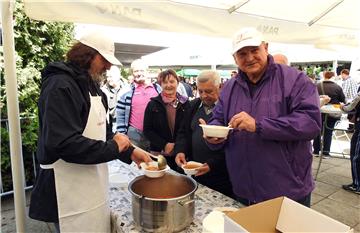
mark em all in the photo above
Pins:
pixel 123 108
pixel 276 159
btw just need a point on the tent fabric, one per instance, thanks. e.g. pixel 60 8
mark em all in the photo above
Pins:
pixel 284 21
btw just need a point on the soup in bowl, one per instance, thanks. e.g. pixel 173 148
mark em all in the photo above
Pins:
pixel 152 170
pixel 190 168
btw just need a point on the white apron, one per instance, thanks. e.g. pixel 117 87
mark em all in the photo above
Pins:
pixel 82 190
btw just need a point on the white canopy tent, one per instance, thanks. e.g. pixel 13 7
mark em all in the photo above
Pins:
pixel 322 23
pixel 280 20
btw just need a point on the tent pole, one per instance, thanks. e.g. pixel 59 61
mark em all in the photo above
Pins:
pixel 317 18
pixel 17 166
pixel 335 66
pixel 237 6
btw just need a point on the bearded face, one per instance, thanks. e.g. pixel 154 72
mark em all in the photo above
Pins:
pixel 98 78
pixel 98 68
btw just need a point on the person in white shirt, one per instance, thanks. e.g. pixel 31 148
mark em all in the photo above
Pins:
pixel 112 88
pixel 349 85
pixel 350 89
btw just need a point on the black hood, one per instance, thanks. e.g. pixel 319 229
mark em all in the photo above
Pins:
pixel 56 68
pixel 73 71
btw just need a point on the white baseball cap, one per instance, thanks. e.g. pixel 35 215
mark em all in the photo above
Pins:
pixel 246 37
pixel 139 64
pixel 104 45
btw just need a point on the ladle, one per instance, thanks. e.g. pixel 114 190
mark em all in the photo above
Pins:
pixel 160 158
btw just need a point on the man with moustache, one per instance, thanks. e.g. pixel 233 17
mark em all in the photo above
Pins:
pixel 191 146
pixel 76 141
pixel 130 109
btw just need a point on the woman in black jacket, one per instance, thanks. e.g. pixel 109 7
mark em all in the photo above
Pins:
pixel 163 117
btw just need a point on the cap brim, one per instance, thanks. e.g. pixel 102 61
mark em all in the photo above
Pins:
pixel 245 43
pixel 111 58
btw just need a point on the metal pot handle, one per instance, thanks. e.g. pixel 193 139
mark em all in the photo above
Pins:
pixel 185 202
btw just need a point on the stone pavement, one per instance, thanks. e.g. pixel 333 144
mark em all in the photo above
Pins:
pixel 328 198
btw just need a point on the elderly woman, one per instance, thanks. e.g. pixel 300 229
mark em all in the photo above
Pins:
pixel 163 117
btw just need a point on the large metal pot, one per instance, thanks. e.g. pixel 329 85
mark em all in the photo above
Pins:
pixel 163 204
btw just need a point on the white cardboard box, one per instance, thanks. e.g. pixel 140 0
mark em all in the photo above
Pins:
pixel 280 215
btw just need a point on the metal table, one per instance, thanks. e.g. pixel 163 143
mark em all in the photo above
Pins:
pixel 326 110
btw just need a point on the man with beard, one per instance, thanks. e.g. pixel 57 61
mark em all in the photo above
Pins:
pixel 76 141
pixel 131 107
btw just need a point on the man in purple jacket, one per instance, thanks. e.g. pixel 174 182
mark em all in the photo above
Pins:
pixel 275 112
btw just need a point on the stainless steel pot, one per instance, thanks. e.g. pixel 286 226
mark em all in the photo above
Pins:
pixel 163 204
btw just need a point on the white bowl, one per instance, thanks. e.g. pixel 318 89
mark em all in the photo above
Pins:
pixel 215 131
pixel 153 174
pixel 191 171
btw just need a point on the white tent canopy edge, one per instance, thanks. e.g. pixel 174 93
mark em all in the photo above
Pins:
pixel 200 19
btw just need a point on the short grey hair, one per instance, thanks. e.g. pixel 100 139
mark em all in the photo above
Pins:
pixel 209 75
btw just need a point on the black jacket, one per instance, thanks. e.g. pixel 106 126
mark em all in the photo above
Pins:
pixel 156 127
pixel 64 106
pixel 218 177
pixel 357 115
pixel 333 90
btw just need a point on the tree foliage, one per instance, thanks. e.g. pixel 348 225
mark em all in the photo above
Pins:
pixel 39 42
pixel 36 43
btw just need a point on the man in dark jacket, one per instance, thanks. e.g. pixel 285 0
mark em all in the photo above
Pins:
pixel 190 144
pixel 354 146
pixel 76 141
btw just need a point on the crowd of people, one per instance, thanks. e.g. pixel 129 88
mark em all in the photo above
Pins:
pixel 86 121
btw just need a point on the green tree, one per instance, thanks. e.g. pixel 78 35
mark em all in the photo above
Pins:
pixel 39 42
pixel 36 43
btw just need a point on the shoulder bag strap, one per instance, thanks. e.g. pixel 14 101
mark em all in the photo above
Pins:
pixel 322 88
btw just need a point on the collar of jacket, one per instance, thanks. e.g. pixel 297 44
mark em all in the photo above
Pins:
pixel 181 99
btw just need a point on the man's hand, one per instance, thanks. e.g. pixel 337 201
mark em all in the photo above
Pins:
pixel 122 141
pixel 324 99
pixel 139 156
pixel 169 147
pixel 202 170
pixel 180 159
pixel 243 121
pixel 211 139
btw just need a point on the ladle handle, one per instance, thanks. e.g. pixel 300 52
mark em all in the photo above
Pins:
pixel 151 155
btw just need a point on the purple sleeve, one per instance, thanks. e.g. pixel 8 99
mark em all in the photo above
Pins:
pixel 304 120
